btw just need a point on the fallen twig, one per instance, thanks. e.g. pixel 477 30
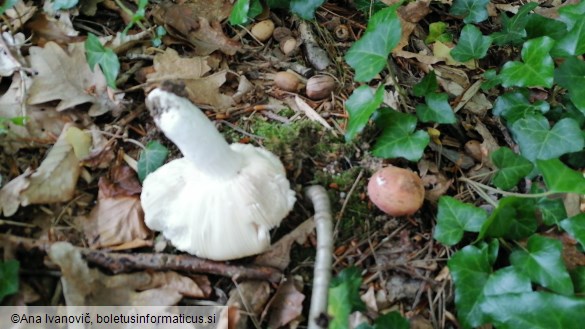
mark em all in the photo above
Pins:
pixel 126 262
pixel 323 260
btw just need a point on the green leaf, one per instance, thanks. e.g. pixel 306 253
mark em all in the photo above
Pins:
pixel 8 278
pixel 470 270
pixel 151 158
pixel 362 103
pixel 239 14
pixel 513 28
pixel 369 55
pixel 491 79
pixel 573 42
pixel 7 4
pixel 305 8
pixel 344 297
pixel 471 45
pixel 437 33
pixel 535 310
pixel 543 264
pixel 559 178
pixel 538 141
pixel 96 53
pixel 539 26
pixel 369 6
pixel 399 138
pixel 512 168
pixel 454 217
pixel 552 211
pixel 391 320
pixel 436 109
pixel 578 277
pixel 515 105
pixel 474 11
pixel 282 4
pixel 514 218
pixel 507 280
pixel 571 75
pixel 427 85
pixel 64 4
pixel 536 70
pixel 575 226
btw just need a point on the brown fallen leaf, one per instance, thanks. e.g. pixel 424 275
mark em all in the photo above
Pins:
pixel 19 14
pixel 286 305
pixel 53 181
pixel 64 76
pixel 85 286
pixel 47 28
pixel 409 16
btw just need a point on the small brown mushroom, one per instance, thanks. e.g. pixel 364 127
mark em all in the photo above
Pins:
pixel 396 191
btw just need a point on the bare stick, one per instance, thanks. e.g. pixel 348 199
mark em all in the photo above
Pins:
pixel 323 260
pixel 126 262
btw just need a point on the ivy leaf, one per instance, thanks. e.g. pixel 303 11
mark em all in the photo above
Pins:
pixel 515 105
pixel 471 45
pixel 7 4
pixel 8 278
pixel 436 109
pixel 470 270
pixel 96 53
pixel 536 70
pixel 507 280
pixel 305 8
pixel 344 297
pixel 534 310
pixel 578 276
pixel 573 42
pixel 575 226
pixel 552 210
pixel 243 10
pixel 454 217
pixel 362 103
pixel 512 168
pixel 559 178
pixel 399 138
pixel 64 4
pixel 368 55
pixel 391 320
pixel 514 218
pixel 151 158
pixel 427 84
pixel 513 28
pixel 538 141
pixel 437 33
pixel 543 263
pixel 474 11
pixel 571 75
pixel 369 6
pixel 539 26
pixel 491 79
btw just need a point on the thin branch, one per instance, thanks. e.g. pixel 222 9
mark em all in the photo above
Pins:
pixel 322 271
pixel 505 193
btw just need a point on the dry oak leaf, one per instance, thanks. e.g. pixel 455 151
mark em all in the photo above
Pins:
pixel 409 16
pixel 66 76
pixel 19 14
pixel 53 181
pixel 9 51
pixel 286 305
pixel 85 286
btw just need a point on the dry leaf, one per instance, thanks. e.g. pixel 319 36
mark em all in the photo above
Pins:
pixel 286 305
pixel 19 14
pixel 278 255
pixel 9 52
pixel 53 181
pixel 66 77
pixel 302 106
pixel 409 16
pixel 47 28
pixel 85 286
pixel 250 297
pixel 442 50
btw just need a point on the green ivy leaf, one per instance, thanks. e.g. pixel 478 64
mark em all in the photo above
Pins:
pixel 362 103
pixel 514 218
pixel 151 158
pixel 538 141
pixel 515 105
pixel 578 277
pixel 8 278
pixel 454 217
pixel 96 53
pixel 239 14
pixel 535 310
pixel 491 79
pixel 436 109
pixel 507 280
pixel 536 70
pixel 64 4
pixel 474 11
pixel 437 33
pixel 470 270
pixel 427 85
pixel 344 297
pixel 539 26
pixel 542 262
pixel 471 45
pixel 573 42
pixel 391 320
pixel 552 211
pixel 513 28
pixel 512 168
pixel 369 6
pixel 368 55
pixel 559 178
pixel 305 8
pixel 7 4
pixel 575 226
pixel 571 75
pixel 399 138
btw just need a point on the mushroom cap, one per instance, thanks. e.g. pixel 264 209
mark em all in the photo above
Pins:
pixel 219 219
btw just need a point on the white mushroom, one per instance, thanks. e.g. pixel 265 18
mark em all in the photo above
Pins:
pixel 219 201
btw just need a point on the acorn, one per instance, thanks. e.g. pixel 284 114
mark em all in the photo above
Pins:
pixel 281 33
pixel 287 81
pixel 320 86
pixel 263 30
pixel 289 45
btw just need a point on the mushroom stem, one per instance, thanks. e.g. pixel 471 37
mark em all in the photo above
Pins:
pixel 194 134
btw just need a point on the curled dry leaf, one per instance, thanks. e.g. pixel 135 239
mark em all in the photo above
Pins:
pixel 66 77
pixel 19 14
pixel 117 221
pixel 409 16
pixel 10 53
pixel 85 286
pixel 53 181
pixel 286 305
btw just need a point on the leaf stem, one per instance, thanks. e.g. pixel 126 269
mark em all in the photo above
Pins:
pixel 504 193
